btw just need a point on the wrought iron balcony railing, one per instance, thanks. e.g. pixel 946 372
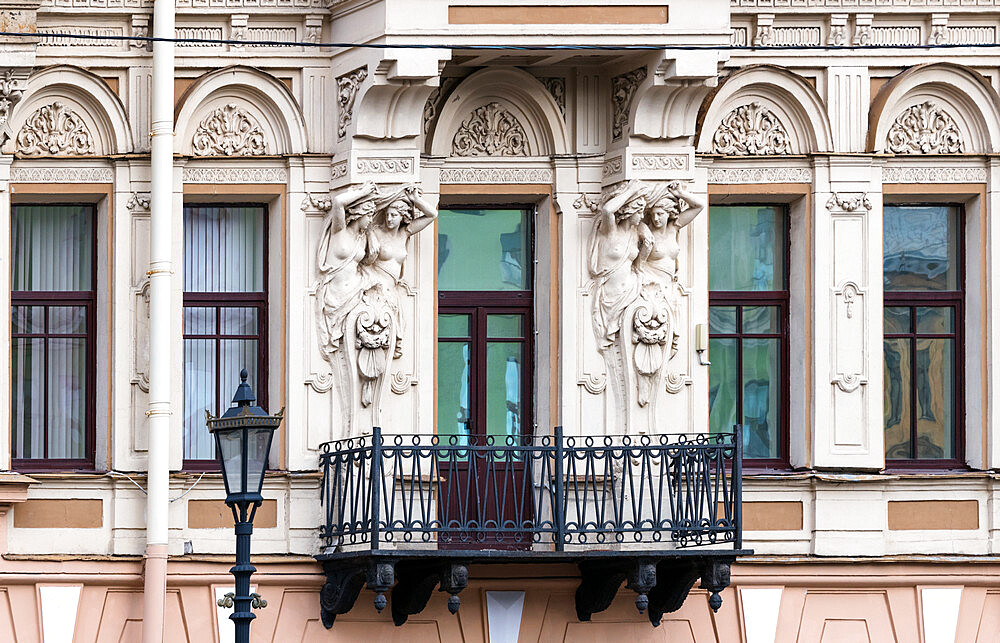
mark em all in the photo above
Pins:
pixel 619 506
pixel 510 493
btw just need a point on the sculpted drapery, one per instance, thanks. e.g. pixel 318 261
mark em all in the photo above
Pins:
pixel 360 292
pixel 632 258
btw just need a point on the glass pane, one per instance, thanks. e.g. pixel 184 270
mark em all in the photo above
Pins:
pixel 52 247
pixel 761 319
pixel 28 397
pixel 920 247
pixel 234 356
pixel 723 384
pixel 896 393
pixel 484 250
pixel 231 450
pixel 224 248
pixel 896 320
pixel 67 375
pixel 453 325
pixel 503 389
pixel 199 320
pixel 761 401
pixel 935 398
pixel 27 319
pixel 504 326
pixel 238 321
pixel 258 442
pixel 722 319
pixel 67 319
pixel 454 381
pixel 199 396
pixel 746 247
pixel 936 319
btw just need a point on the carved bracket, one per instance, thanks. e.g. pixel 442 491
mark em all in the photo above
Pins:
pixel 836 202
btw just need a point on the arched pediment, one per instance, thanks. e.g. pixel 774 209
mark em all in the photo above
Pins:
pixel 68 111
pixel 239 111
pixel 937 108
pixel 763 110
pixel 499 112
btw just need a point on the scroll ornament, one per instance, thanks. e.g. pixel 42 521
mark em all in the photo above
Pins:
pixel 751 130
pixel 361 291
pixel 632 259
pixel 229 131
pixel 54 130
pixel 491 130
pixel 924 129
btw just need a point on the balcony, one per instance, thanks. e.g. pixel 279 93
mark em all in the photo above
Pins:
pixel 407 513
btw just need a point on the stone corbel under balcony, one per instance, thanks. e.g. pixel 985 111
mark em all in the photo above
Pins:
pixel 13 490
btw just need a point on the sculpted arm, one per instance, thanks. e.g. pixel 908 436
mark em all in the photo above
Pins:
pixel 421 204
pixel 695 204
pixel 608 210
pixel 338 209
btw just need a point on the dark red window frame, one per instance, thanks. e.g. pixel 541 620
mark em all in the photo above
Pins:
pixel 780 299
pixel 954 299
pixel 220 300
pixel 84 298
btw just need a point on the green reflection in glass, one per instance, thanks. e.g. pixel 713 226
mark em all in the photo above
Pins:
pixel 723 377
pixel 722 319
pixel 760 398
pixel 746 247
pixel 452 325
pixel 760 319
pixel 454 404
pixel 920 247
pixel 503 389
pixel 499 326
pixel 484 250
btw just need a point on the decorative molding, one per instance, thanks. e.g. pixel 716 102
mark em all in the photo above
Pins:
pixel 835 202
pixel 895 35
pixel 587 202
pixel 863 29
pixel 939 29
pixel 44 41
pixel 433 103
pixel 198 33
pixel 659 162
pixel 852 295
pixel 763 35
pixel 888 5
pixel 61 175
pixel 838 30
pixel 347 88
pixel 314 28
pixel 229 131
pixel 623 89
pixel 972 35
pixel 924 128
pixel 54 130
pixel 11 91
pixel 138 202
pixel 753 175
pixel 795 36
pixel 849 382
pixel 272 34
pixel 491 130
pixel 675 382
pixel 751 130
pixel 321 203
pixel 385 165
pixel 338 169
pixel 235 175
pixel 497 175
pixel 611 167
pixel 140 336
pixel 556 86
pixel 739 36
pixel 927 174
pixel 320 382
pixel 140 29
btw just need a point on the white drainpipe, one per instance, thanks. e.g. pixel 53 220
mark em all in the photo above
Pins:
pixel 160 273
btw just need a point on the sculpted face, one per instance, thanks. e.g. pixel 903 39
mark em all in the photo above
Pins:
pixel 362 213
pixel 396 213
pixel 632 211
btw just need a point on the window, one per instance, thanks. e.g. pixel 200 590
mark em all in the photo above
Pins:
pixel 484 323
pixel 53 302
pixel 748 327
pixel 225 315
pixel 923 281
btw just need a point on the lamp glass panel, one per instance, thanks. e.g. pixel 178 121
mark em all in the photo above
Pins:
pixel 230 450
pixel 258 444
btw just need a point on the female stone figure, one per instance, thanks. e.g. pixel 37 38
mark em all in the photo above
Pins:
pixel 404 213
pixel 615 245
pixel 665 216
pixel 342 248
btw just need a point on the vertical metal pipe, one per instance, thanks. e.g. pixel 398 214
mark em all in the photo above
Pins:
pixel 376 481
pixel 160 270
pixel 557 502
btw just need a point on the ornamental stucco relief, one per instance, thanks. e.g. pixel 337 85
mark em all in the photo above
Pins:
pixel 924 129
pixel 491 130
pixel 11 91
pixel 751 130
pixel 360 293
pixel 623 89
pixel 54 130
pixel 229 131
pixel 632 259
pixel 347 90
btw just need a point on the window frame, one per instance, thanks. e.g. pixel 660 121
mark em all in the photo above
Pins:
pixel 480 303
pixel 749 298
pixel 61 298
pixel 219 300
pixel 935 299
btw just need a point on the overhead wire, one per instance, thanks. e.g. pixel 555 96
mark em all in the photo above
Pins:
pixel 482 47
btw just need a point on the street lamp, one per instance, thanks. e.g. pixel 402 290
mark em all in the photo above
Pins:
pixel 243 438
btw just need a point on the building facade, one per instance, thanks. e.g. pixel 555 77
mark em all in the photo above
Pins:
pixel 471 233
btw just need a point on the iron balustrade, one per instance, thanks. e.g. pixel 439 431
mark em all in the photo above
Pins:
pixel 553 492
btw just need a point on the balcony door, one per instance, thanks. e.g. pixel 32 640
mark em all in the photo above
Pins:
pixel 484 376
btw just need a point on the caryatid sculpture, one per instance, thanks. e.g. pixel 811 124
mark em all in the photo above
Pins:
pixel 633 264
pixel 361 293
